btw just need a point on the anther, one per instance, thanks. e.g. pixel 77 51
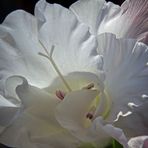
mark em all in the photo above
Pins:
pixel 89 116
pixel 60 94
pixel 91 112
pixel 89 86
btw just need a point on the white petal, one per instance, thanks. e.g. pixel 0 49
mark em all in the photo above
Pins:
pixel 37 101
pixel 37 118
pixel 135 19
pixel 10 104
pixel 138 142
pixel 129 20
pixel 110 130
pixel 71 112
pixel 75 48
pixel 76 80
pixel 24 140
pixel 19 49
pixel 92 17
pixel 39 132
pixel 8 112
pixel 5 103
pixel 139 116
pixel 126 70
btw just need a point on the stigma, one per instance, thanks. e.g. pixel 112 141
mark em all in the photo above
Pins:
pixel 51 60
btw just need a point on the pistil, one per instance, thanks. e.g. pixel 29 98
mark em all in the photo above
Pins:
pixel 89 86
pixel 49 57
pixel 94 109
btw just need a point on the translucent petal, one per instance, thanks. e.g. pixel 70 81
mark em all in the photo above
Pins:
pixel 36 121
pixel 19 49
pixel 139 116
pixel 71 112
pixel 93 17
pixel 138 142
pixel 129 20
pixel 111 131
pixel 126 71
pixel 75 48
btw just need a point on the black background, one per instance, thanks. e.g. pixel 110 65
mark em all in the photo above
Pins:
pixel 7 6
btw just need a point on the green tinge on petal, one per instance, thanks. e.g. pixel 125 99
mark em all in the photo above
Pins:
pixel 114 144
pixel 94 104
pixel 88 145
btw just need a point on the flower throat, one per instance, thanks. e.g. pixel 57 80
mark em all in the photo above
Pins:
pixel 60 94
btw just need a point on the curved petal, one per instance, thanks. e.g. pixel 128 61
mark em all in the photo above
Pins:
pixel 20 45
pixel 8 112
pixel 19 49
pixel 76 80
pixel 129 20
pixel 75 48
pixel 10 104
pixel 93 17
pixel 126 70
pixel 37 119
pixel 39 132
pixel 139 116
pixel 138 142
pixel 24 140
pixel 111 131
pixel 37 101
pixel 71 112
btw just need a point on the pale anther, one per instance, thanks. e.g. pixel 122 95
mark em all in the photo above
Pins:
pixel 89 86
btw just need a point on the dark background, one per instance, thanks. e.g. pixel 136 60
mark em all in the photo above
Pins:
pixel 7 6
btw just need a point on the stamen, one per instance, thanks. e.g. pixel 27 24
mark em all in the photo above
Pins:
pixel 60 94
pixel 49 57
pixel 89 86
pixel 96 105
pixel 89 116
pixel 91 112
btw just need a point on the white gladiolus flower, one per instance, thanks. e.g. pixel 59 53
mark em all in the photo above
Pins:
pixel 139 142
pixel 62 87
pixel 128 21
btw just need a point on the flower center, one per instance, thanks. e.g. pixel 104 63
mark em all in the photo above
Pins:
pixel 100 106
